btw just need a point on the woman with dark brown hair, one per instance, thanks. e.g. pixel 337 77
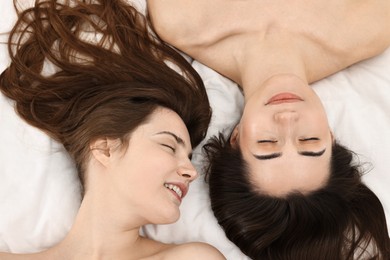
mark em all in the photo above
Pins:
pixel 281 186
pixel 89 74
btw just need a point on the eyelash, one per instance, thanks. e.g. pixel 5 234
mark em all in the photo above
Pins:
pixel 309 139
pixel 267 141
pixel 170 147
pixel 302 140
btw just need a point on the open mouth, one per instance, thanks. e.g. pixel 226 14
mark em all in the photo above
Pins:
pixel 175 188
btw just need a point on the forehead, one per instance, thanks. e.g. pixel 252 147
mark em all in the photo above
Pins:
pixel 164 120
pixel 290 173
pixel 164 116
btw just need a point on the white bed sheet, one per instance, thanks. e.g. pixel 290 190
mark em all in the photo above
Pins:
pixel 39 190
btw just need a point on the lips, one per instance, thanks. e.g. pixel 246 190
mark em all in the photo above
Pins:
pixel 178 189
pixel 283 98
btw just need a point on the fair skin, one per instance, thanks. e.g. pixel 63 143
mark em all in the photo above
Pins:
pixel 128 187
pixel 287 135
pixel 275 47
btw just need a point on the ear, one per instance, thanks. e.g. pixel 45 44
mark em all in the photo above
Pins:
pixel 102 149
pixel 234 137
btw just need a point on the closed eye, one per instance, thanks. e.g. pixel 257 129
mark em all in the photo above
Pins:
pixel 266 141
pixel 170 147
pixel 309 139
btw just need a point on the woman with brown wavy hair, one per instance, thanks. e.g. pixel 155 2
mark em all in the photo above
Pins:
pixel 89 74
pixel 281 186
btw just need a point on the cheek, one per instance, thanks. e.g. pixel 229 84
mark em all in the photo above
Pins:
pixel 144 165
pixel 320 121
pixel 150 166
pixel 130 167
pixel 253 125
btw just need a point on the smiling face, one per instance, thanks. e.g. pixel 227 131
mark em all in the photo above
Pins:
pixel 153 174
pixel 284 137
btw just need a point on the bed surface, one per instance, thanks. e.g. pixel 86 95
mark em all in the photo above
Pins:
pixel 39 189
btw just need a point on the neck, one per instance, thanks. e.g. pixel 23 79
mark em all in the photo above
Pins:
pixel 281 57
pixel 98 231
pixel 102 230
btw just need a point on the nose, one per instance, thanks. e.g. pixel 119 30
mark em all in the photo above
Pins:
pixel 188 171
pixel 286 117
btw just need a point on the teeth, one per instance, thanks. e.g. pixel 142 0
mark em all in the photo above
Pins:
pixel 174 188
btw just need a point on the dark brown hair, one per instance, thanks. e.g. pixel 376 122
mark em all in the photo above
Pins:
pixel 108 74
pixel 342 220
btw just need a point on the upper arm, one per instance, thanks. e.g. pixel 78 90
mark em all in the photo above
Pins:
pixel 372 19
pixel 166 17
pixel 195 251
pixel 177 21
pixel 207 251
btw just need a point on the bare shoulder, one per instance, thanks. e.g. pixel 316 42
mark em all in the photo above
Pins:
pixel 6 256
pixel 194 250
pixel 11 256
pixel 373 19
pixel 174 19
pixel 169 15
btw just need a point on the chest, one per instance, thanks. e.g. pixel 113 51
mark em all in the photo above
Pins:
pixel 342 32
pixel 236 18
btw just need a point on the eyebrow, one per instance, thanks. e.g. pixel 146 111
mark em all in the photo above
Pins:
pixel 276 155
pixel 312 154
pixel 178 139
pixel 267 156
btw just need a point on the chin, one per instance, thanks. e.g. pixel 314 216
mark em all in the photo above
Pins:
pixel 167 216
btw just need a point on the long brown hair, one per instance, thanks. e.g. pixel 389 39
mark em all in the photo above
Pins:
pixel 85 69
